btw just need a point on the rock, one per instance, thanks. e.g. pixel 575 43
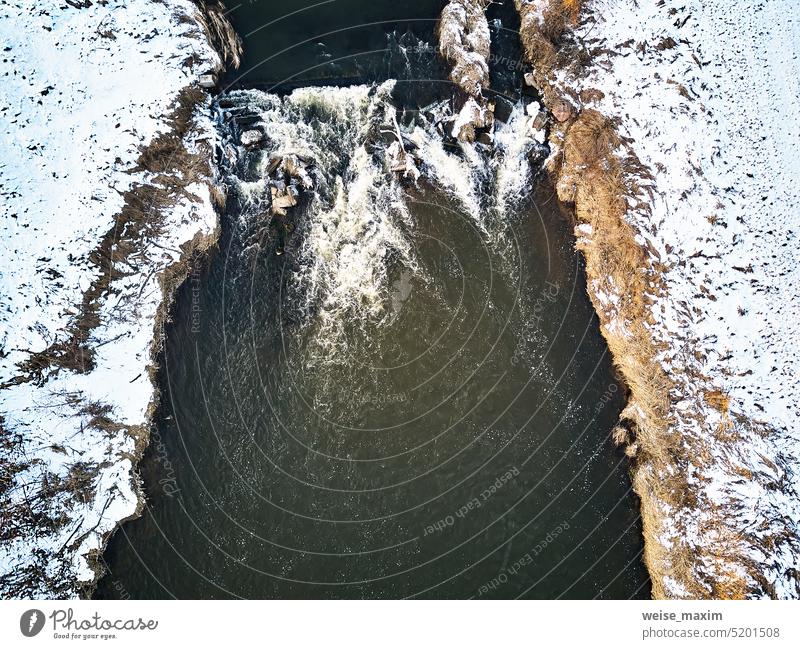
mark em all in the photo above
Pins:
pixel 207 81
pixel 273 164
pixel 539 135
pixel 465 42
pixel 251 137
pixel 230 154
pixel 401 162
pixel 562 110
pixel 291 165
pixel 503 109
pixel 295 168
pixel 540 121
pixel 471 116
pixel 282 200
pixel 395 157
pixel 398 158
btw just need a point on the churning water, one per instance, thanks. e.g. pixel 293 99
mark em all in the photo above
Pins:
pixel 390 389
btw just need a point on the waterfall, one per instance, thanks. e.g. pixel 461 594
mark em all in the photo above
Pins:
pixel 324 162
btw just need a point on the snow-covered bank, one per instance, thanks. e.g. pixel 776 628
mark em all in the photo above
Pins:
pixel 106 190
pixel 698 105
pixel 465 43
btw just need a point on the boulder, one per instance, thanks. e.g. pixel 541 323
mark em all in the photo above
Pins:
pixel 401 162
pixel 539 121
pixel 562 110
pixel 251 137
pixel 296 168
pixel 207 81
pixel 472 116
pixel 283 201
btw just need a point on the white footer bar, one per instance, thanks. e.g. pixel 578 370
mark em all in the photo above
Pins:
pixel 399 625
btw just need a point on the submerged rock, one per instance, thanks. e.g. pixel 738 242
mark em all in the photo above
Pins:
pixel 282 200
pixel 296 168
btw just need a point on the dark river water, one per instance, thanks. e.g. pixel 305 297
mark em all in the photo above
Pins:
pixel 411 400
pixel 305 40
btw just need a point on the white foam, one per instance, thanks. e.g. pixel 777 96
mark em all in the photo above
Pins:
pixel 358 221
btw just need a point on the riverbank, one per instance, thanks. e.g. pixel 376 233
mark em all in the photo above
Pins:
pixel 109 191
pixel 675 126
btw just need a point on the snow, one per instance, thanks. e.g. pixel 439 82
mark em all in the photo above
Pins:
pixel 471 113
pixel 715 115
pixel 84 89
pixel 464 41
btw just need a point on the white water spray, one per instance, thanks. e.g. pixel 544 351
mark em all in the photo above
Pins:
pixel 357 224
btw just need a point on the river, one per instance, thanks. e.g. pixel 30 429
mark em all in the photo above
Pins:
pixel 397 389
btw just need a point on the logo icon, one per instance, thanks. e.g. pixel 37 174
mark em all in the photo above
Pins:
pixel 31 622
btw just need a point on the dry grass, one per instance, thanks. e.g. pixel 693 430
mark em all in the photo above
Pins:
pixel 80 481
pixel 598 175
pixel 596 179
pixel 572 8
pixel 592 177
pixel 172 169
pixel 220 33
pixel 718 400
